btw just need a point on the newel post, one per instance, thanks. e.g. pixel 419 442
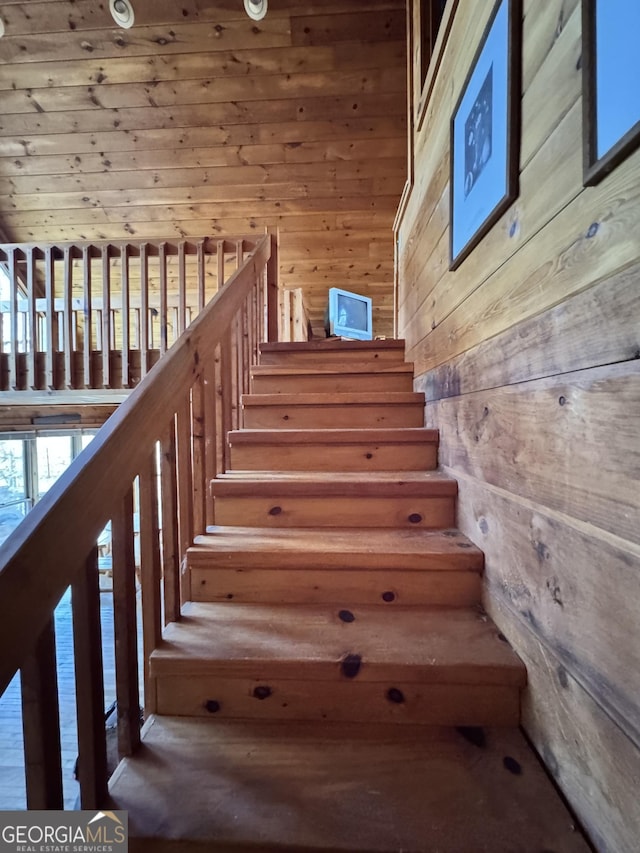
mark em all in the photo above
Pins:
pixel 272 291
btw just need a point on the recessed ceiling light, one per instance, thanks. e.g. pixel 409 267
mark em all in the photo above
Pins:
pixel 122 13
pixel 256 9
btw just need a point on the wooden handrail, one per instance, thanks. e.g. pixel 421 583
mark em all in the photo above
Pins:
pixel 184 405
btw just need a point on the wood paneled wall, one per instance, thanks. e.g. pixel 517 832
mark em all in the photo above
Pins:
pixel 530 357
pixel 201 122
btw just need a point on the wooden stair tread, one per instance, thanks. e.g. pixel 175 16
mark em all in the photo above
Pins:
pixel 308 548
pixel 373 398
pixel 389 435
pixel 240 786
pixel 334 484
pixel 410 644
pixel 355 368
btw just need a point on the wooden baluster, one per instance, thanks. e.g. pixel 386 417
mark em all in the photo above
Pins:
pixel 88 324
pixel 256 309
pixel 87 642
pixel 246 346
pixel 125 317
pixel 32 321
pixel 170 554
pixel 67 319
pixel 150 573
pixel 144 310
pixel 226 394
pixel 272 291
pixel 286 316
pixel 41 724
pixel 135 342
pixel 106 318
pixel 252 312
pixel 253 322
pixel 236 349
pixel 162 260
pixel 220 254
pixel 49 283
pixel 125 631
pixel 212 431
pixel 239 253
pixel 182 289
pixel 198 420
pixel 201 278
pixel 185 490
pixel 263 315
pixel 12 266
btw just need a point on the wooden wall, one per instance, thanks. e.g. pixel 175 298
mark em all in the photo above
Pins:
pixel 201 122
pixel 530 356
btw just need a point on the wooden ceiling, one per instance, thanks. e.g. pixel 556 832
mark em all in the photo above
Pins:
pixel 199 121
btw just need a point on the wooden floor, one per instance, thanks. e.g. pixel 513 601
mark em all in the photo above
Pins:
pixel 247 786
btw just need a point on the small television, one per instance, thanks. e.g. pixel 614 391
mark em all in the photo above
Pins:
pixel 349 315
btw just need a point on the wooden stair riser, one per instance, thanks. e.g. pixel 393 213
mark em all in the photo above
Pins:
pixel 220 697
pixel 322 353
pixel 332 511
pixel 323 457
pixel 334 587
pixel 343 415
pixel 322 360
pixel 321 383
pixel 309 549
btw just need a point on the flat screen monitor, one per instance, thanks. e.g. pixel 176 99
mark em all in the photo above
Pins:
pixel 349 315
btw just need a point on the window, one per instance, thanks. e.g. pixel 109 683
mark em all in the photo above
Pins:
pixel 28 468
pixel 431 23
pixel 431 12
pixel 15 501
pixel 54 454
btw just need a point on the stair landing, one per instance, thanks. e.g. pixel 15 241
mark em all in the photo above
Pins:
pixel 283 786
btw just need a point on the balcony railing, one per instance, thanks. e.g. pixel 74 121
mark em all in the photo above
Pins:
pixel 100 315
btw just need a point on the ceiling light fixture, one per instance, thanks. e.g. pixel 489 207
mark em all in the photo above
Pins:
pixel 122 13
pixel 256 9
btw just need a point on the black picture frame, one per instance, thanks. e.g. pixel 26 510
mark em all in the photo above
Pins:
pixel 603 58
pixel 485 134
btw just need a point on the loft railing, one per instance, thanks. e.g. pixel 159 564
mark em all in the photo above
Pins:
pixel 100 315
pixel 158 451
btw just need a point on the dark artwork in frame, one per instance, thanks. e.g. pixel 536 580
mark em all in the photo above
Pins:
pixel 485 133
pixel 477 134
pixel 610 85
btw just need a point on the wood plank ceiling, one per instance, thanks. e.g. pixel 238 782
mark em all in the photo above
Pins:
pixel 199 121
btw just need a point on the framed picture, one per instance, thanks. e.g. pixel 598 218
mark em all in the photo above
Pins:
pixel 610 89
pixel 485 133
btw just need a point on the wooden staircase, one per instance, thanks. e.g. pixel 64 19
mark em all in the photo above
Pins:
pixel 334 682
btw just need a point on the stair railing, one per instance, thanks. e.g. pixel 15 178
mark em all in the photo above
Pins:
pixel 159 449
pixel 100 314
